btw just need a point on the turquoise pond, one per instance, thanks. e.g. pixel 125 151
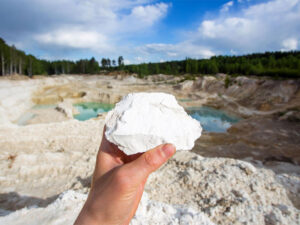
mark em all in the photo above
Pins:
pixel 88 110
pixel 212 120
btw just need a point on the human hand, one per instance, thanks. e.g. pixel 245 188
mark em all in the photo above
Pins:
pixel 118 183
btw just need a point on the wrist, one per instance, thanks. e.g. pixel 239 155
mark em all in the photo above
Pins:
pixel 84 218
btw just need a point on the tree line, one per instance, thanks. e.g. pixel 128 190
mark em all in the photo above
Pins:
pixel 279 64
pixel 14 61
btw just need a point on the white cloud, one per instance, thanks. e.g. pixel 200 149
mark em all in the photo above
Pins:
pixel 174 51
pixel 290 44
pixel 101 25
pixel 96 22
pixel 227 6
pixel 140 19
pixel 260 27
pixel 107 28
pixel 127 62
pixel 149 14
pixel 73 38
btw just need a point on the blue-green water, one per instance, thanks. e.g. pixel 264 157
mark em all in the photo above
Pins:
pixel 212 120
pixel 88 110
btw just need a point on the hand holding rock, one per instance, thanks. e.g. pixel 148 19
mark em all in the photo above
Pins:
pixel 118 183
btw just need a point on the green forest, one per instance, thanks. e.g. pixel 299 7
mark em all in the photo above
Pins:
pixel 274 64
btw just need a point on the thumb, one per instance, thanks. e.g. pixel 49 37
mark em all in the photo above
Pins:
pixel 150 161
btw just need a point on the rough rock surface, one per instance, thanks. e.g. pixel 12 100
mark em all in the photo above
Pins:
pixel 229 191
pixel 250 96
pixel 142 121
pixel 40 164
pixel 66 208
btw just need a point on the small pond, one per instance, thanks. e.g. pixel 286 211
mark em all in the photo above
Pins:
pixel 212 120
pixel 88 110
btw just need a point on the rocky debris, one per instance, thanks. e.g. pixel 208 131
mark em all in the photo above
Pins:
pixel 292 116
pixel 130 79
pixel 209 84
pixel 67 109
pixel 142 121
pixel 259 138
pixel 229 191
pixel 107 97
pixel 63 211
pixel 66 208
pixel 55 93
pixel 186 85
pixel 156 213
pixel 264 95
pixel 159 78
pixel 49 158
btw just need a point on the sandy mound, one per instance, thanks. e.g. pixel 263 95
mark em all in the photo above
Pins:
pixel 229 191
pixel 65 209
pixel 43 160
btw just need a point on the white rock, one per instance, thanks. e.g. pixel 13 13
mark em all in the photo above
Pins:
pixel 142 121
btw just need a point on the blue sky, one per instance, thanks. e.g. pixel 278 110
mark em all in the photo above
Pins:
pixel 149 30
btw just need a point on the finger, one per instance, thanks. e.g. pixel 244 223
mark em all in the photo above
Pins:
pixel 149 162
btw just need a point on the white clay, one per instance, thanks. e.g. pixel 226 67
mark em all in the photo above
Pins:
pixel 142 121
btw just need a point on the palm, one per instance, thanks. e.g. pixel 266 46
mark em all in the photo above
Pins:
pixel 110 156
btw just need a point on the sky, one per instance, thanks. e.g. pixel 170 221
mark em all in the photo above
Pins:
pixel 149 30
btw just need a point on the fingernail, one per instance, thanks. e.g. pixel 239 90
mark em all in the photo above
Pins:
pixel 168 150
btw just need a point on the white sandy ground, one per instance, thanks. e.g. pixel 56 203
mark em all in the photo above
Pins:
pixel 49 158
pixel 16 95
pixel 228 191
pixel 65 209
pixel 39 162
pixel 224 191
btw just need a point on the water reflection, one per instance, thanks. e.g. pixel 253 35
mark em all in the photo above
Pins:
pixel 88 110
pixel 212 120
